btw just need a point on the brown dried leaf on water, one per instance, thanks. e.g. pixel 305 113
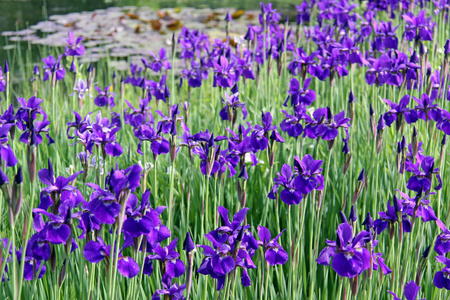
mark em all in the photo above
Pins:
pixel 174 25
pixel 156 24
pixel 237 14
pixel 212 17
pixel 250 16
pixel 132 16
pixel 137 29
pixel 164 15
pixel 231 41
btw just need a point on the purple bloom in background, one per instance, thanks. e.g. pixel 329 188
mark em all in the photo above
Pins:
pixel 138 116
pixel 291 124
pixel 74 46
pixel 59 190
pixel 442 278
pixel 53 67
pixel 231 104
pixel 31 266
pixel 105 97
pixel 224 73
pixel 102 205
pixel 422 171
pixel 324 125
pixel 442 244
pixel 174 292
pixel 105 138
pixel 158 63
pixel 398 111
pixel 273 252
pixel 418 27
pixel 81 88
pixel 299 95
pixel 2 81
pixel 95 252
pixel 349 254
pixel 305 178
pixel 6 153
pixel 410 292
pixel 159 144
pixel 425 109
pixel 233 246
pixel 418 206
pixel 394 214
pixel 168 257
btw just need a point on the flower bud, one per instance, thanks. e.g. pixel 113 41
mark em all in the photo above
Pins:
pixel 17 193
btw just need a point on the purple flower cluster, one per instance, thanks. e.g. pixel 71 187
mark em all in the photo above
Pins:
pixel 233 246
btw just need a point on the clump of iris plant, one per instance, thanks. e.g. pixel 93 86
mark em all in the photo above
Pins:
pixel 298 183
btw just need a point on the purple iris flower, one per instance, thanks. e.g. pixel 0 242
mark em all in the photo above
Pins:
pixel 102 205
pixel 80 125
pixel 29 109
pixel 410 292
pixel 418 206
pixel 127 180
pixel 261 134
pixel 55 230
pixel 291 124
pixel 95 252
pixel 138 116
pixel 174 292
pixel 378 71
pixel 168 124
pixel 135 79
pixel 322 124
pixel 105 138
pixel 169 259
pixel 53 67
pixel 389 218
pixel 305 178
pixel 273 252
pixel 422 170
pixel 194 75
pixel 385 36
pixel 158 63
pixel 349 254
pixel 74 46
pixel 231 104
pixel 309 174
pixel 2 81
pixel 226 254
pixel 224 73
pixel 442 278
pixel 81 88
pixel 398 111
pixel 426 110
pixel 442 245
pixel 159 144
pixel 299 95
pixel 159 90
pixel 59 190
pixel 141 219
pixel 6 153
pixel 418 27
pixel 31 266
pixel 88 223
pixel 244 68
pixel 105 97
pixel 303 63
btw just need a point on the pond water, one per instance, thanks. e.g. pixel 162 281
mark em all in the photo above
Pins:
pixel 21 15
